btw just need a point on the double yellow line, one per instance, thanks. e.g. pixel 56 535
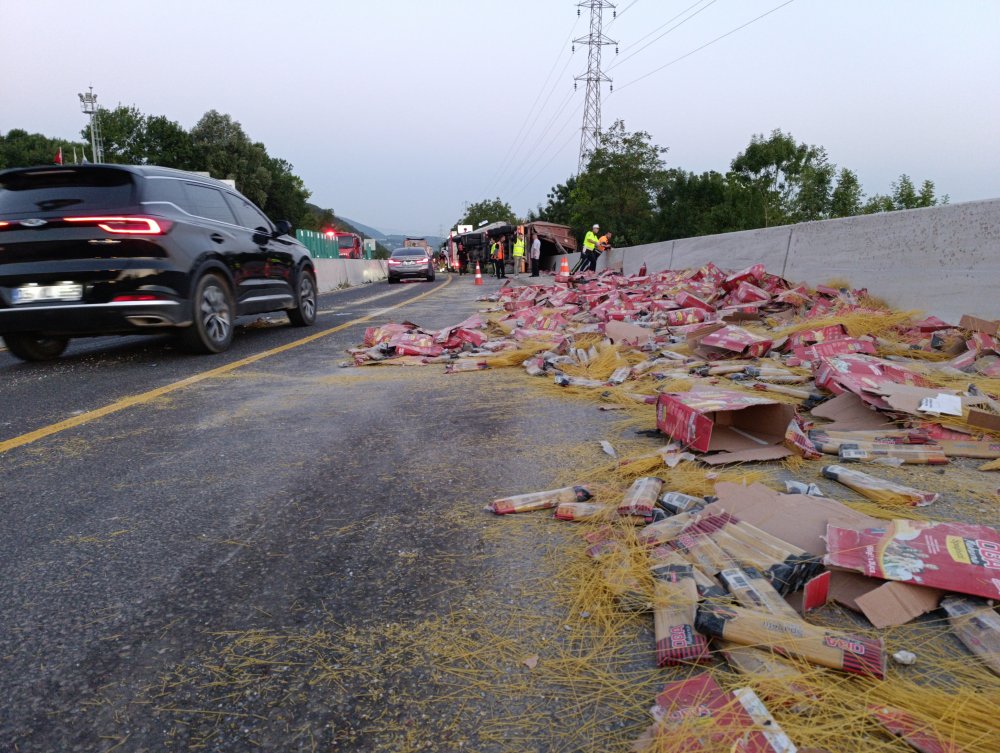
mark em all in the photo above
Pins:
pixel 151 395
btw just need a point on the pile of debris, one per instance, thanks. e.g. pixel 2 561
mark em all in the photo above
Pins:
pixel 746 367
pixel 734 577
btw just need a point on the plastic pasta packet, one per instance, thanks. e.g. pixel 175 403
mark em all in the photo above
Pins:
pixel 675 600
pixel 847 652
pixel 583 511
pixel 879 490
pixel 539 500
pixel 640 499
pixel 977 625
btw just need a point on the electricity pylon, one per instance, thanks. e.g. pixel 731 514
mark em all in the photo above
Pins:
pixel 594 77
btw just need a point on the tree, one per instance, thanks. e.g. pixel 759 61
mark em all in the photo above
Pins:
pixel 688 205
pixel 490 210
pixel 904 196
pixel 619 186
pixel 18 148
pixel 131 138
pixel 287 195
pixel 559 206
pixel 221 147
pixel 123 135
pixel 168 144
pixel 792 181
pixel 845 201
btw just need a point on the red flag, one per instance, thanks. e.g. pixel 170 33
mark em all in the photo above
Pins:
pixel 58 159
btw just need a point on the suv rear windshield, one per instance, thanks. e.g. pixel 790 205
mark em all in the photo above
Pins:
pixel 64 188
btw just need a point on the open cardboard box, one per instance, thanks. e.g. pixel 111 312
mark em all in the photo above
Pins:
pixel 713 420
pixel 802 521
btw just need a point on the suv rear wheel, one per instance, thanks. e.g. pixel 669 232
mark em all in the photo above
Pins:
pixel 213 312
pixel 304 313
pixel 30 347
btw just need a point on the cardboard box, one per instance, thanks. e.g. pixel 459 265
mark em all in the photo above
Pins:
pixel 806 337
pixel 719 340
pixel 959 557
pixel 984 420
pixel 863 375
pixel 698 716
pixel 975 324
pixel 849 413
pixel 796 518
pixel 721 420
pixel 897 603
pixel 629 334
pixel 833 348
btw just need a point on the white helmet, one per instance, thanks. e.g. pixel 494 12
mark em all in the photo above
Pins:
pixel 596 226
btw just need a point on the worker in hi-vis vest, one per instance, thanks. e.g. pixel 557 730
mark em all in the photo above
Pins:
pixel 588 258
pixel 518 253
pixel 496 251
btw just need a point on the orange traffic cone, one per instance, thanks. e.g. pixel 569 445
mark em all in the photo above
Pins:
pixel 564 267
pixel 479 275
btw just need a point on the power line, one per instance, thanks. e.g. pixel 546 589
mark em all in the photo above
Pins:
pixel 510 149
pixel 538 115
pixel 707 44
pixel 676 26
pixel 553 152
pixel 548 126
pixel 622 12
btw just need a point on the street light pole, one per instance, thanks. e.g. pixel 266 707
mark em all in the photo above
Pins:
pixel 88 103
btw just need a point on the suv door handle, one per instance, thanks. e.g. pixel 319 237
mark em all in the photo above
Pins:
pixel 218 237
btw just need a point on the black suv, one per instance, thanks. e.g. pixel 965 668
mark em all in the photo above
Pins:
pixel 122 249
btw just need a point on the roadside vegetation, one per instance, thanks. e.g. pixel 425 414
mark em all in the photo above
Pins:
pixel 628 188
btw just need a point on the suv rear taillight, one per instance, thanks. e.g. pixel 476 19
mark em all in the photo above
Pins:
pixel 134 297
pixel 125 225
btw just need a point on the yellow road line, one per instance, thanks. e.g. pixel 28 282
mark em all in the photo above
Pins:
pixel 369 299
pixel 147 397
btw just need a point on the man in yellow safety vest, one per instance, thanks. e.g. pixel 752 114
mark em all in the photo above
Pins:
pixel 518 253
pixel 588 258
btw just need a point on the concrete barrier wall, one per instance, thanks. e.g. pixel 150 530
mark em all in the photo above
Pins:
pixel 337 273
pixel 942 260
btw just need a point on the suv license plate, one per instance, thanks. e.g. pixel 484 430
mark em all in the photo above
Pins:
pixel 62 291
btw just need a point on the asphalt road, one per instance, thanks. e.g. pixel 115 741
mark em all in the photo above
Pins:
pixel 230 554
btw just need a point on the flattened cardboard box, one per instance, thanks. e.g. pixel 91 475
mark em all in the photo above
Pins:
pixel 984 420
pixel 975 324
pixel 624 332
pixel 959 557
pixel 849 412
pixel 721 420
pixel 796 518
pixel 896 603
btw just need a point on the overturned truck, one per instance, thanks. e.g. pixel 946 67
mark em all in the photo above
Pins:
pixel 555 239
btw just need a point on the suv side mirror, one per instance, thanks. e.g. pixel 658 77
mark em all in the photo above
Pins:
pixel 282 227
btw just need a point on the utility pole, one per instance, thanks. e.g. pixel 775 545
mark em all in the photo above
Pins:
pixel 88 103
pixel 594 76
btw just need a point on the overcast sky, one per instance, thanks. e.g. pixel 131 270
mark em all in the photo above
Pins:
pixel 397 113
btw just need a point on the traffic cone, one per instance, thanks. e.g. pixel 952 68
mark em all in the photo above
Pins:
pixel 479 275
pixel 564 266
